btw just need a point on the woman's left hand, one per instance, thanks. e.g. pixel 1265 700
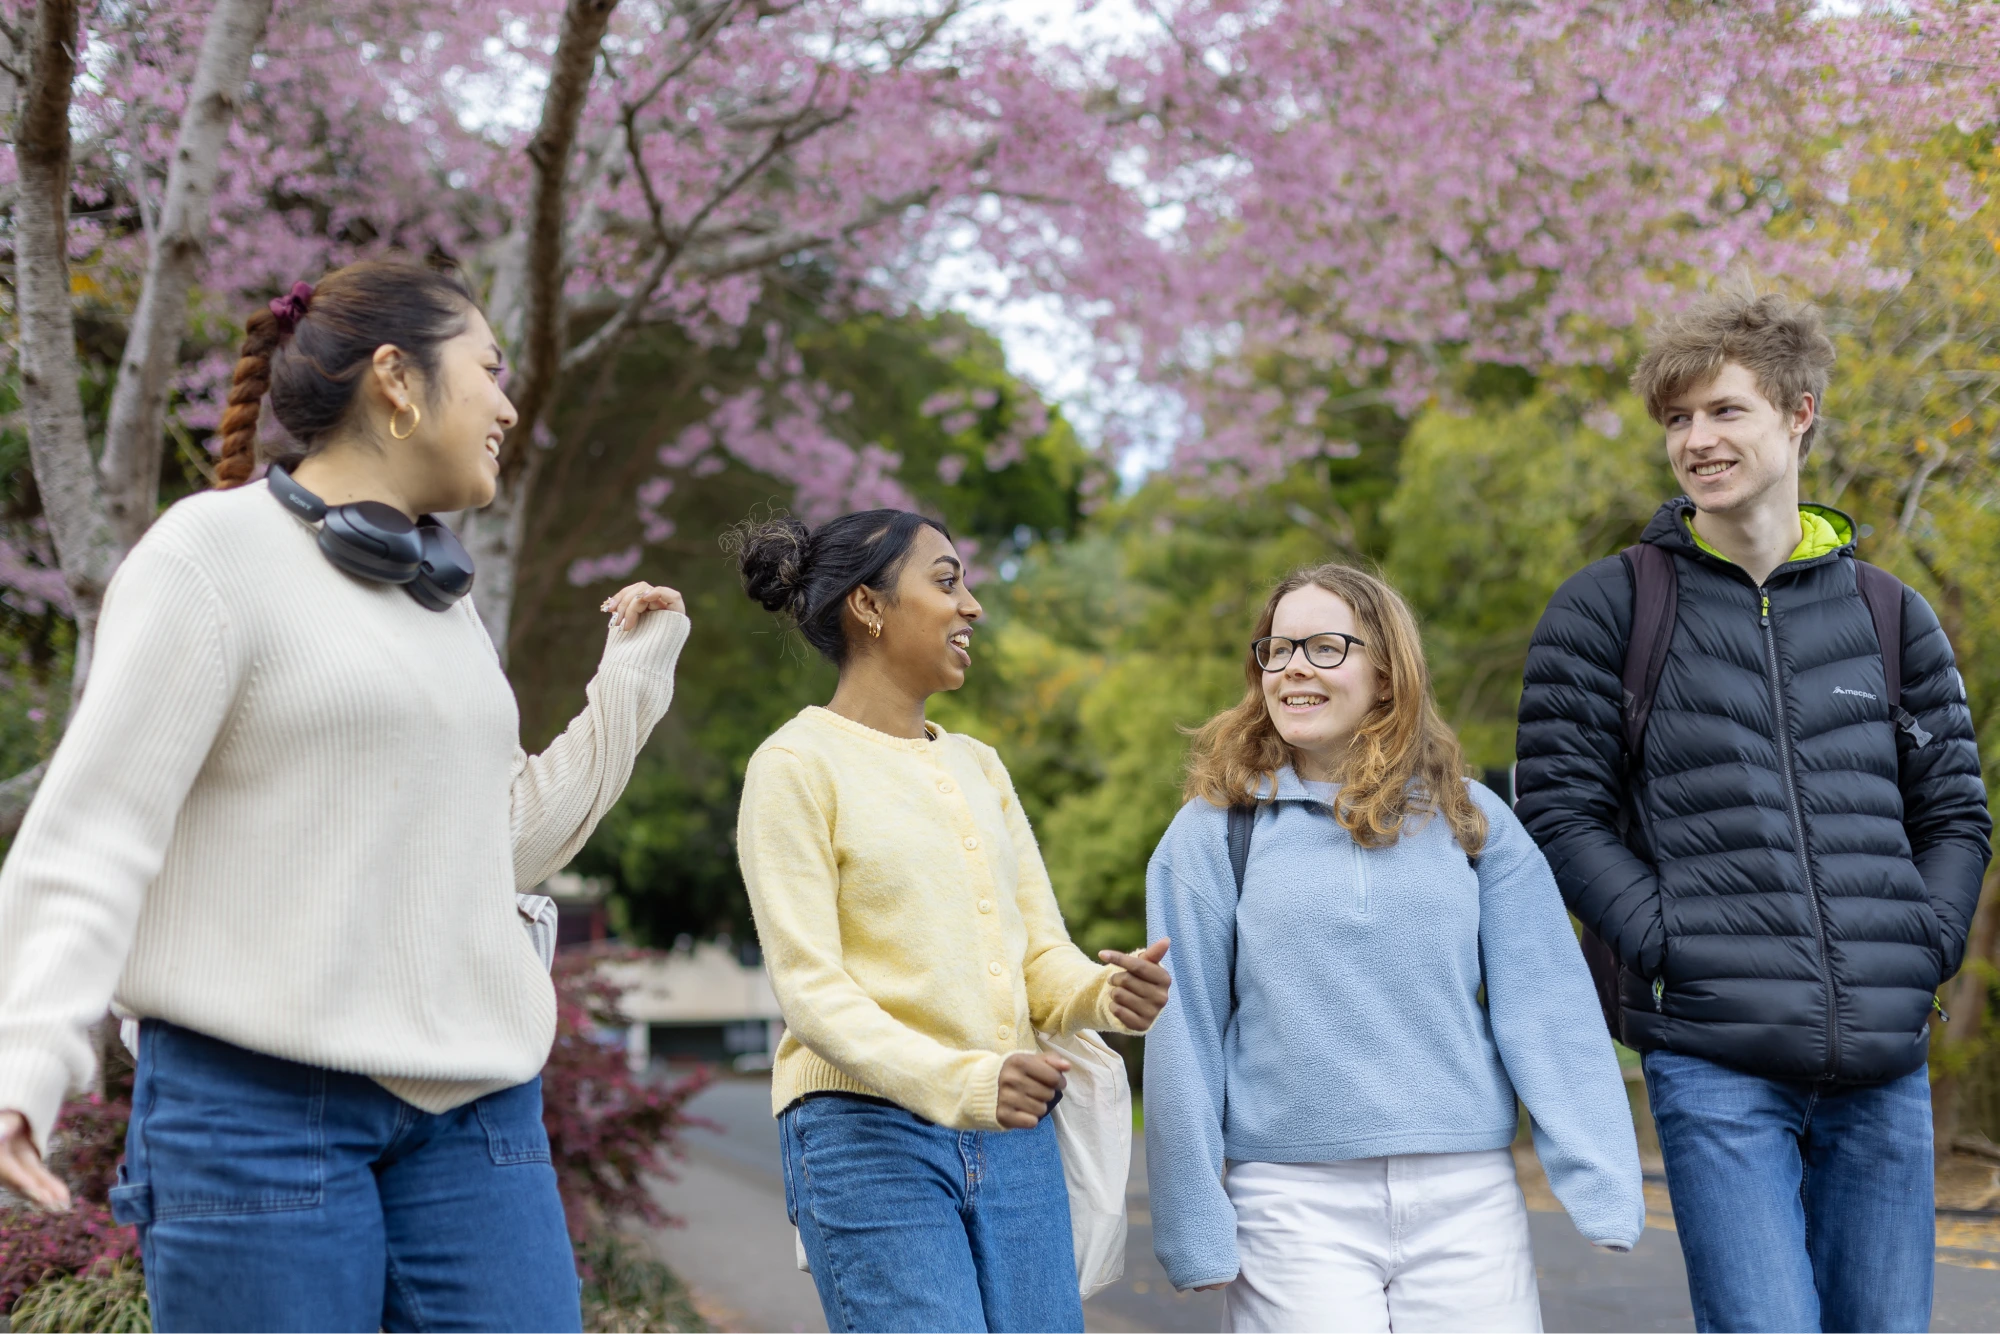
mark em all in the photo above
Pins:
pixel 631 602
pixel 1139 989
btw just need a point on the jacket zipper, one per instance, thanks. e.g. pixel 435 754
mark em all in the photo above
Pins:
pixel 1790 775
pixel 1360 880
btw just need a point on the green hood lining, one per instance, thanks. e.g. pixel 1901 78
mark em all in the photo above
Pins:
pixel 1826 530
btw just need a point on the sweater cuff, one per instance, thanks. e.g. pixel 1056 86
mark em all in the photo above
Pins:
pixel 654 645
pixel 982 1094
pixel 34 1084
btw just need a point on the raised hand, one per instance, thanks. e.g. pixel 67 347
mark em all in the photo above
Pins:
pixel 1139 989
pixel 631 602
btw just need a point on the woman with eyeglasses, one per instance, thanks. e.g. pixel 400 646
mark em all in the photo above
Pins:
pixel 1358 1001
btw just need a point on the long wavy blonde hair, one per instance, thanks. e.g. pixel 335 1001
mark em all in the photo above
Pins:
pixel 1404 763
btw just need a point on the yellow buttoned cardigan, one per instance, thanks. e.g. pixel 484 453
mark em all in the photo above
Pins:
pixel 908 924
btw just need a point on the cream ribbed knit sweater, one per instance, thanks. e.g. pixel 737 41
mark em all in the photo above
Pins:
pixel 291 812
pixel 912 936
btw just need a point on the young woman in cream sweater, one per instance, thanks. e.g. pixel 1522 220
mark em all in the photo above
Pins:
pixel 285 830
pixel 916 949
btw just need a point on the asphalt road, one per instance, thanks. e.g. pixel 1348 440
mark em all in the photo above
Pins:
pixel 735 1248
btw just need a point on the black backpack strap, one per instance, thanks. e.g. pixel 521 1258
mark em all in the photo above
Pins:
pixel 1656 596
pixel 1242 820
pixel 1883 592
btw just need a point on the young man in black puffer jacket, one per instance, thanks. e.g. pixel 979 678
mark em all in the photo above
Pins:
pixel 1778 872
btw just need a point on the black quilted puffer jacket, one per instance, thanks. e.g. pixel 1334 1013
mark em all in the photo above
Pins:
pixel 1795 876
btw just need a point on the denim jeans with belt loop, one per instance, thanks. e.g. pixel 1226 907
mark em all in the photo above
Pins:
pixel 271 1195
pixel 910 1226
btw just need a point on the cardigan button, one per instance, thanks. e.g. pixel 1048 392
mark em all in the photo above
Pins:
pixel 970 843
pixel 993 968
pixel 945 786
pixel 986 905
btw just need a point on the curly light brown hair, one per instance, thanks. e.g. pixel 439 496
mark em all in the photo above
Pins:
pixel 1404 764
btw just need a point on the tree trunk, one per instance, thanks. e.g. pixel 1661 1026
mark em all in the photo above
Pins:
pixel 58 447
pixel 133 440
pixel 492 536
pixel 1965 999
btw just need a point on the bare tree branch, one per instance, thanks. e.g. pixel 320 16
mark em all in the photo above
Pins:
pixel 744 256
pixel 57 444
pixel 701 35
pixel 801 125
pixel 134 438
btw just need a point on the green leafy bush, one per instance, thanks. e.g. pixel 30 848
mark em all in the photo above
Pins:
pixel 110 1298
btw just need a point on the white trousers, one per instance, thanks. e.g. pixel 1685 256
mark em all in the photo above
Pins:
pixel 1421 1241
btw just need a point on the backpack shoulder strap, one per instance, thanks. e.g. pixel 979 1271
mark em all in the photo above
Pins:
pixel 1242 820
pixel 1883 592
pixel 1656 596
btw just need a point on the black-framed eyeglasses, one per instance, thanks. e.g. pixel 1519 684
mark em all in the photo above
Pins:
pixel 1327 649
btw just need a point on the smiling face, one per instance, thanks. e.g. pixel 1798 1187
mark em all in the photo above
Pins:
pixel 1729 445
pixel 451 461
pixel 926 639
pixel 1317 710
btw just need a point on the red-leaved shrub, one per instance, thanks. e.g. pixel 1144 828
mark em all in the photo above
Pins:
pixel 608 1131
pixel 37 1246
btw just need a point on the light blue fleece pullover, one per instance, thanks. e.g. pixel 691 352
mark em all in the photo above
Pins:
pixel 1357 1029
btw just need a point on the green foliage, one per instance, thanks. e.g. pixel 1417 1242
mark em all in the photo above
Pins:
pixel 1493 510
pixel 626 1290
pixel 110 1299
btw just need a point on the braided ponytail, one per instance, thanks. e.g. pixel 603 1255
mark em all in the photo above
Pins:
pixel 247 388
pixel 309 349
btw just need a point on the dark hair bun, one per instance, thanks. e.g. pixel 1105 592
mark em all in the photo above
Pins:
pixel 808 574
pixel 771 557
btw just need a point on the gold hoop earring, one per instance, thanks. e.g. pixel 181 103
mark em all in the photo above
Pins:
pixel 416 416
pixel 875 629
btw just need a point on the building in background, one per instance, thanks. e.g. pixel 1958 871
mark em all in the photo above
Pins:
pixel 709 1002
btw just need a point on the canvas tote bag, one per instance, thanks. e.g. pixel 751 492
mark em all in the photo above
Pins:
pixel 1094 1135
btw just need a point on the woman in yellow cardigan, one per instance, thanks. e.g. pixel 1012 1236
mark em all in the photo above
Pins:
pixel 916 949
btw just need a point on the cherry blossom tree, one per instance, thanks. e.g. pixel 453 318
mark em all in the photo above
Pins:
pixel 1367 190
pixel 596 167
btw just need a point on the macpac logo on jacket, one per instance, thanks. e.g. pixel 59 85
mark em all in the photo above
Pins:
pixel 1784 888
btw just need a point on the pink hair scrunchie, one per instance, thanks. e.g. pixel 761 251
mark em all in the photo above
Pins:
pixel 291 307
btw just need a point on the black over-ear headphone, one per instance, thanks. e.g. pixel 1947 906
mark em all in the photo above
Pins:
pixel 373 541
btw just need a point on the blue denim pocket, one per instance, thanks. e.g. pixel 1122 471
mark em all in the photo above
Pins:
pixel 513 1121
pixel 224 1130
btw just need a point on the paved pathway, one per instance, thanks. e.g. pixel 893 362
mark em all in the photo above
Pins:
pixel 736 1251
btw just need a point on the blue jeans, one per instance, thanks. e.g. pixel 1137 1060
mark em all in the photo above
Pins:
pixel 271 1195
pixel 1800 1206
pixel 910 1226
